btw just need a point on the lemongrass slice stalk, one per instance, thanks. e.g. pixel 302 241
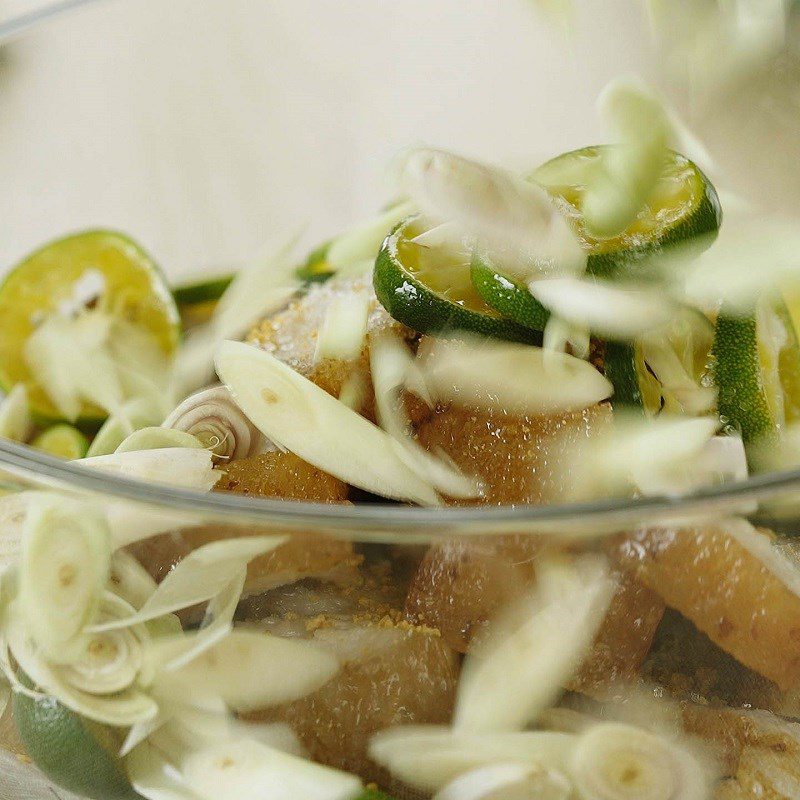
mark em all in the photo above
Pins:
pixel 533 648
pixel 559 334
pixel 620 762
pixel 429 757
pixel 213 417
pixel 108 662
pixel 138 413
pixel 518 379
pixel 503 210
pixel 249 770
pixel 158 439
pixel 608 310
pixel 631 171
pixel 252 670
pixel 299 416
pixel 129 580
pixel 15 415
pixel 63 569
pixel 122 709
pixel 153 776
pixel 184 467
pixel 344 328
pixel 508 781
pixel 13 510
pixel 205 572
pixel 174 652
pixel 5 696
pixel 349 251
pixel 390 363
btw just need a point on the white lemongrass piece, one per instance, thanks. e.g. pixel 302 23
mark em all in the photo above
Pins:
pixel 500 208
pixel 508 781
pixel 120 710
pixel 251 670
pixel 15 415
pixel 154 438
pixel 109 662
pixel 354 390
pixel 299 416
pixel 129 580
pixel 446 235
pixel 5 696
pixel 533 648
pixel 774 453
pixel 559 334
pixel 249 770
pixel 654 455
pixel 153 776
pixel 429 757
pixel 260 289
pixel 344 328
pixel 134 414
pixel 139 352
pixel 204 573
pixel 184 467
pixel 214 418
pixel 621 762
pixel 140 732
pixel 63 569
pixel 692 398
pixel 606 309
pixel 632 169
pixel 362 243
pixel 390 363
pixel 176 651
pixel 516 378
pixel 13 509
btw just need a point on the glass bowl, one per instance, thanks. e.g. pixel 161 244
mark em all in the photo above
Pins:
pixel 205 130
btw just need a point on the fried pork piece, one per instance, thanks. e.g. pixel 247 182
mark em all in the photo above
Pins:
pixel 393 673
pixel 291 336
pixel 280 475
pixel 760 752
pixel 726 591
pixel 517 458
pixel 624 638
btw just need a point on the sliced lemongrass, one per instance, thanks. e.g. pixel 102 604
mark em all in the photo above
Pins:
pixel 249 770
pixel 204 573
pixel 500 208
pixel 354 390
pixel 390 362
pixel 772 453
pixel 15 415
pixel 344 328
pixel 5 696
pixel 631 170
pixel 158 439
pixel 508 781
pixel 13 510
pixel 153 776
pixel 185 467
pixel 691 398
pixel 129 580
pixel 63 569
pixel 620 762
pixel 299 416
pixel 607 309
pixel 135 414
pixel 214 418
pixel 559 334
pixel 361 244
pixel 509 377
pixel 428 757
pixel 534 647
pixel 174 652
pixel 251 670
pixel 656 456
pixel 70 360
pixel 122 709
pixel 109 662
pixel 140 732
pixel 138 351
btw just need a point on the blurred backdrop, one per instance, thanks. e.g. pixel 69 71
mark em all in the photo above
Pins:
pixel 206 128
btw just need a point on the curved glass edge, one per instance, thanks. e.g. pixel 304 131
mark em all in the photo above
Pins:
pixel 20 23
pixel 761 496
